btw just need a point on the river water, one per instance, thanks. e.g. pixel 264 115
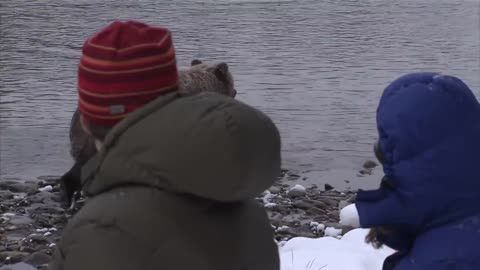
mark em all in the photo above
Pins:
pixel 317 67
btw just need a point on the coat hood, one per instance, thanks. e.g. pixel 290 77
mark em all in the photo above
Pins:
pixel 429 134
pixel 206 145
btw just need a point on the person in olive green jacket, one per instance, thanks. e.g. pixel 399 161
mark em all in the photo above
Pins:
pixel 173 185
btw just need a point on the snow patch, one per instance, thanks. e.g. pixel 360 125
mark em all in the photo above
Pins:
pixel 329 253
pixel 270 205
pixel 46 188
pixel 349 216
pixel 267 197
pixel 282 228
pixel 299 188
pixel 320 228
pixel 333 232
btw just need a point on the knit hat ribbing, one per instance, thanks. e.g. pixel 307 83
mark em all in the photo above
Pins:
pixel 123 67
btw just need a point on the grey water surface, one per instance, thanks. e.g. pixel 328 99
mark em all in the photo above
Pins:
pixel 317 67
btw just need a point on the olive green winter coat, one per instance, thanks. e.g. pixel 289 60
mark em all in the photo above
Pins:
pixel 174 188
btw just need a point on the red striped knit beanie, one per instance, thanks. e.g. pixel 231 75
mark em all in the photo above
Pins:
pixel 123 67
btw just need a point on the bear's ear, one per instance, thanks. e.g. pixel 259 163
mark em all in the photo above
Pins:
pixel 221 71
pixel 196 62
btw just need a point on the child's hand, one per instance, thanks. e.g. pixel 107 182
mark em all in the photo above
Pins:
pixel 349 216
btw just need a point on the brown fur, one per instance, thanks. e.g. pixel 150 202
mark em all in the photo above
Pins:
pixel 372 236
pixel 202 77
pixel 199 77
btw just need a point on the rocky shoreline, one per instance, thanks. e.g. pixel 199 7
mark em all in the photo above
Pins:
pixel 32 217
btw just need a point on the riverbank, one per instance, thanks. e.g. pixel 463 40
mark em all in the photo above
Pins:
pixel 32 217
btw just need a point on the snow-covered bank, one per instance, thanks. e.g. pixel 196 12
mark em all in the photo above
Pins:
pixel 329 253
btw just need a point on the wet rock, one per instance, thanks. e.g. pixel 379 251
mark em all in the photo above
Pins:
pixel 319 204
pixel 41 197
pixel 48 180
pixel 27 249
pixel 12 256
pixel 14 247
pixel 365 172
pixel 342 204
pixel 5 195
pixel 18 187
pixel 328 187
pixel 370 164
pixel 302 204
pixel 37 259
pixel 315 211
pixel 295 232
pixel 19 220
pixel 328 201
pixel 334 214
pixel 11 228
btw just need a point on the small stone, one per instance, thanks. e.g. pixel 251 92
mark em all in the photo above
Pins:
pixel 275 190
pixel 370 164
pixel 37 238
pixel 328 187
pixel 297 191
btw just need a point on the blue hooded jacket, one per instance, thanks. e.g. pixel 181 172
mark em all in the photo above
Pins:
pixel 429 135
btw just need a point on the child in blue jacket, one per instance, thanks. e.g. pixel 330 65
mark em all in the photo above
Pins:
pixel 428 205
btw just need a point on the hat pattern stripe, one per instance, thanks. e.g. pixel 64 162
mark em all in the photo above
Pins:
pixel 132 94
pixel 149 60
pixel 116 72
pixel 122 50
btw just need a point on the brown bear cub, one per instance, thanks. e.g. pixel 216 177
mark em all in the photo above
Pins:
pixel 199 77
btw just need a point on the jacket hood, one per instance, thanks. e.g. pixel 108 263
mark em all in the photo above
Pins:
pixel 429 134
pixel 206 145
